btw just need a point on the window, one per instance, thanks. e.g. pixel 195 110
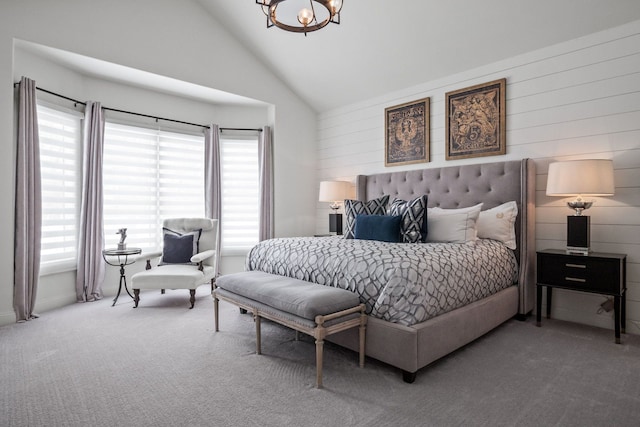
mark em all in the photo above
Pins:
pixel 60 167
pixel 149 175
pixel 240 195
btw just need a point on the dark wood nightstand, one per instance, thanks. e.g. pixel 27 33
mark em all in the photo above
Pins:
pixel 598 272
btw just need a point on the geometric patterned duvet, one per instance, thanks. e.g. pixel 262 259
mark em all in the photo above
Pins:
pixel 404 283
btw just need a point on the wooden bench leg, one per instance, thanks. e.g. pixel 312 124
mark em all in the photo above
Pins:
pixel 215 312
pixel 362 345
pixel 319 348
pixel 258 342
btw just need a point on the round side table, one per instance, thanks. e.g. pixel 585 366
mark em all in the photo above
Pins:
pixel 125 257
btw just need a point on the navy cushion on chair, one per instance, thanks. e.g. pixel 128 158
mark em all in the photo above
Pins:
pixel 384 228
pixel 178 248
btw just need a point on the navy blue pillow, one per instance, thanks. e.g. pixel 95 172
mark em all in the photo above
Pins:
pixel 178 248
pixel 384 228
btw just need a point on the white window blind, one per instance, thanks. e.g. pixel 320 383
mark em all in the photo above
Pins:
pixel 60 135
pixel 149 175
pixel 240 196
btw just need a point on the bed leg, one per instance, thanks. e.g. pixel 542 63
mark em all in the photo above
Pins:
pixel 408 377
pixel 523 316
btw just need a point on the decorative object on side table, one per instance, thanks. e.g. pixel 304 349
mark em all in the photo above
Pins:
pixel 476 121
pixel 124 257
pixel 597 272
pixel 593 177
pixel 335 192
pixel 406 133
pixel 123 235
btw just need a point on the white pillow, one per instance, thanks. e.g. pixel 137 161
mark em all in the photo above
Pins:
pixel 452 225
pixel 499 224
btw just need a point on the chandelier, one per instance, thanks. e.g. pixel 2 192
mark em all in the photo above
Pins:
pixel 283 14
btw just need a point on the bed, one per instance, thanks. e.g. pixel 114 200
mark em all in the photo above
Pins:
pixel 416 314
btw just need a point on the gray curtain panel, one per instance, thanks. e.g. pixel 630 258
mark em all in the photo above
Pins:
pixel 212 179
pixel 28 209
pixel 90 237
pixel 266 184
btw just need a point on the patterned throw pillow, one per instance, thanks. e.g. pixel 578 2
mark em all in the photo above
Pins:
pixel 353 208
pixel 414 218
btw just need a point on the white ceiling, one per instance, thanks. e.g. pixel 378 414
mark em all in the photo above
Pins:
pixel 383 45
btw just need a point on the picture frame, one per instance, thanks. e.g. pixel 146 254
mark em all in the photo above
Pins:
pixel 476 121
pixel 407 128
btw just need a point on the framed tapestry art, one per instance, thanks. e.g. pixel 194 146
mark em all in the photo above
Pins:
pixel 475 121
pixel 407 133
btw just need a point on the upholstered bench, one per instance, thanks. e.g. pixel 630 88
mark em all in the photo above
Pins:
pixel 306 307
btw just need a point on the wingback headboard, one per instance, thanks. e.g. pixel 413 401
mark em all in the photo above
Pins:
pixel 460 186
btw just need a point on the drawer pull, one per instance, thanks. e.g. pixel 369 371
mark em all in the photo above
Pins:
pixel 576 265
pixel 575 279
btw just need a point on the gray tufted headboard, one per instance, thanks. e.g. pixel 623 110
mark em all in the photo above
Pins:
pixel 467 185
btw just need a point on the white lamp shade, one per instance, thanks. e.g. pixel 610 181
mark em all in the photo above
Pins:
pixel 334 191
pixel 593 177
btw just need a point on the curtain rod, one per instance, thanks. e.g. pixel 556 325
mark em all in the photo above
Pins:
pixel 75 101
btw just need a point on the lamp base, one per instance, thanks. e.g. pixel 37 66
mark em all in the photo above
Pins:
pixel 578 234
pixel 335 223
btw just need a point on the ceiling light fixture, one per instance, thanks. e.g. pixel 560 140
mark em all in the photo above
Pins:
pixel 298 17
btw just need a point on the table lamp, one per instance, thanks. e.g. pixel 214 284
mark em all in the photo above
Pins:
pixel 334 192
pixel 593 177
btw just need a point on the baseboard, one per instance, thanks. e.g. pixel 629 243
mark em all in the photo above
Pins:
pixel 46 304
pixel 7 318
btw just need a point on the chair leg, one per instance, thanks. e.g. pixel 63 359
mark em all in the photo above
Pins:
pixel 162 291
pixel 192 300
pixel 136 297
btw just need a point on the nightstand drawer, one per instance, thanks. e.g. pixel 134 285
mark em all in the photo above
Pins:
pixel 580 273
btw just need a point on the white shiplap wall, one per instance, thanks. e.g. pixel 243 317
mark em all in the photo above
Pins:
pixel 579 99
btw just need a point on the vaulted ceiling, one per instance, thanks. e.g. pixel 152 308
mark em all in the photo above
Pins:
pixel 383 45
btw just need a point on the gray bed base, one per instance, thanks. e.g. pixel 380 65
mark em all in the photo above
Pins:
pixel 413 347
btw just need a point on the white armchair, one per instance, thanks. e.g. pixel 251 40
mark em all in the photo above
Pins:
pixel 188 259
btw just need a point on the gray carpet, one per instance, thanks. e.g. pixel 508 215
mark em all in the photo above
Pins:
pixel 162 365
